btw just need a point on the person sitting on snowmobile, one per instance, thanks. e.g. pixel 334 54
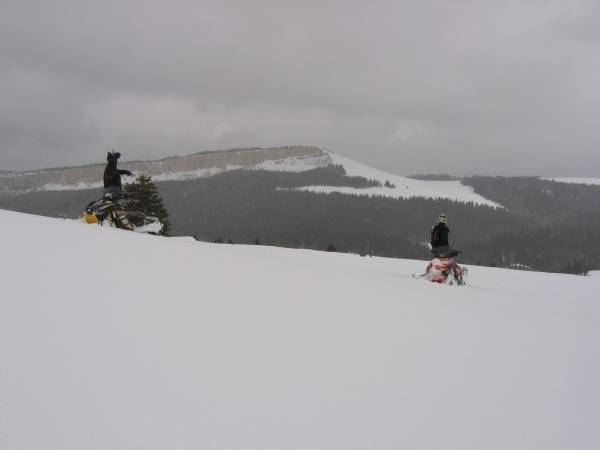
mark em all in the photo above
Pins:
pixel 112 176
pixel 439 237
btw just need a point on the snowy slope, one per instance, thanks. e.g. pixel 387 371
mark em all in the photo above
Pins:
pixel 114 340
pixel 405 187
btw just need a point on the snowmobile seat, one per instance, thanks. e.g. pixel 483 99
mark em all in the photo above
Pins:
pixel 445 252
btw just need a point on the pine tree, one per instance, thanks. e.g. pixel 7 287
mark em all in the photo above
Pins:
pixel 143 197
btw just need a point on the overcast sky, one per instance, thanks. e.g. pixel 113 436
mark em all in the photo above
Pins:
pixel 454 86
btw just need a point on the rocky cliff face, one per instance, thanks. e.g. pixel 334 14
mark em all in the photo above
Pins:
pixel 178 167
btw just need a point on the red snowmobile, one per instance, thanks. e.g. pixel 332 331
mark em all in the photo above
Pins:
pixel 443 269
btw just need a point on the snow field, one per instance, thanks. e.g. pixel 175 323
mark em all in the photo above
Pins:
pixel 111 339
pixel 405 187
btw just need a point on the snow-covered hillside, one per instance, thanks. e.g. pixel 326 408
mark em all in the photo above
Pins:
pixel 404 187
pixel 114 340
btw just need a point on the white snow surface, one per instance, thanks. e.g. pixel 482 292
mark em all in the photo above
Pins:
pixel 594 181
pixel 70 187
pixel 294 164
pixel 194 174
pixel 405 187
pixel 116 340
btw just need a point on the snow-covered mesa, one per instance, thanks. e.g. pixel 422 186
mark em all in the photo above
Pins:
pixel 194 174
pixel 292 164
pixel 71 187
pixel 293 159
pixel 117 340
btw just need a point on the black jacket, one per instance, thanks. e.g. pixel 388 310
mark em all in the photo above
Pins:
pixel 112 175
pixel 439 235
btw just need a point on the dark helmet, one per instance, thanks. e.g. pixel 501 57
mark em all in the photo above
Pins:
pixel 113 156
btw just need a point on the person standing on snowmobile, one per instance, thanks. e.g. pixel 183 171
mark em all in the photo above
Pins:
pixel 443 266
pixel 112 175
pixel 439 236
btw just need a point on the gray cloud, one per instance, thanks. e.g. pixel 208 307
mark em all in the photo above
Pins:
pixel 498 87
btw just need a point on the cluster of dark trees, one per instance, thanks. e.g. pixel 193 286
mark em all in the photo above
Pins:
pixel 544 201
pixel 434 177
pixel 545 226
pixel 563 232
pixel 143 197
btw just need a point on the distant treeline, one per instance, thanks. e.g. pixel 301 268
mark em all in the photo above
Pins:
pixel 545 202
pixel 434 177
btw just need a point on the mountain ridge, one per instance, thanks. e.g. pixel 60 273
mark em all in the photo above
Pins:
pixel 90 176
pixel 206 164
